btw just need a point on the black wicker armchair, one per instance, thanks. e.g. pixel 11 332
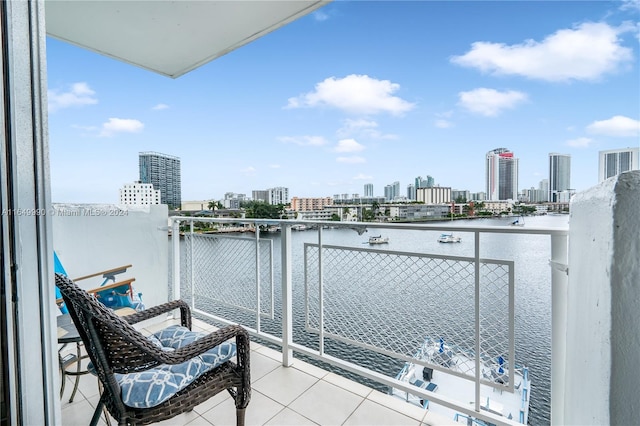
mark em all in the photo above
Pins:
pixel 116 348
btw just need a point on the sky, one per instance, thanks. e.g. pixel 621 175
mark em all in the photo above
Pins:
pixel 359 92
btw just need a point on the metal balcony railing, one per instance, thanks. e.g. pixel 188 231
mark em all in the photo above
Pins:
pixel 338 302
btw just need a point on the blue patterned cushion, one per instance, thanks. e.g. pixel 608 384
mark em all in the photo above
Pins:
pixel 152 387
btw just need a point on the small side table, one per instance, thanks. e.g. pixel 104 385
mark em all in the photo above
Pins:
pixel 67 334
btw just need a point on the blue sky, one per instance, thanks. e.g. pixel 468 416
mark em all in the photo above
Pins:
pixel 360 92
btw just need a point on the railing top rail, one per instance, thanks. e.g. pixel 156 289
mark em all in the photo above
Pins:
pixel 440 226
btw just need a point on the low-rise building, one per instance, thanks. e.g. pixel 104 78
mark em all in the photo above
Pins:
pixel 139 194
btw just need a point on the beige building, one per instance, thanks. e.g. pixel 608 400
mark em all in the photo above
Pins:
pixel 434 195
pixel 309 204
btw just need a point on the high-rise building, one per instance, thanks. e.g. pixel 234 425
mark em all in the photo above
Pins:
pixel 163 172
pixel 559 176
pixel 615 161
pixel 278 195
pixel 501 175
pixel 411 192
pixel 428 182
pixel 260 195
pixel 368 190
pixel 392 191
pixel 139 194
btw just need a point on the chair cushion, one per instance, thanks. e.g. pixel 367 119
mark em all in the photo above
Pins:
pixel 152 387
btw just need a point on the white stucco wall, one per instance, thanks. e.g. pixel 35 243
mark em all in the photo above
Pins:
pixel 89 238
pixel 603 313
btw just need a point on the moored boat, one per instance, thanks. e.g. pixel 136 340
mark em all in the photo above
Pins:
pixel 449 238
pixel 453 377
pixel 379 239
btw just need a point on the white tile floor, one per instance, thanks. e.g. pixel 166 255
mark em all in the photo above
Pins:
pixel 299 395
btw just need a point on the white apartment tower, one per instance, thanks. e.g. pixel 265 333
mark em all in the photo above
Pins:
pixel 501 175
pixel 615 161
pixel 139 194
pixel 278 195
pixel 559 176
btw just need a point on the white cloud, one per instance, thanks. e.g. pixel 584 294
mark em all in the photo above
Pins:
pixel 351 160
pixel 121 125
pixel 348 145
pixel 80 94
pixel 631 5
pixel 490 102
pixel 362 176
pixel 580 142
pixel 160 107
pixel 320 16
pixel 248 170
pixel 585 52
pixel 358 94
pixel 443 124
pixel 274 166
pixel 362 127
pixel 304 140
pixel 617 126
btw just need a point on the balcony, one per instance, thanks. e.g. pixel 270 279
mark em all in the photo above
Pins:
pixel 303 293
pixel 302 394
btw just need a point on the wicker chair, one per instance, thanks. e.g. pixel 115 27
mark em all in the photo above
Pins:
pixel 115 346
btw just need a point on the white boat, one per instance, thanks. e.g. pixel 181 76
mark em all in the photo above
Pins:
pixel 379 239
pixel 448 381
pixel 299 227
pixel 449 238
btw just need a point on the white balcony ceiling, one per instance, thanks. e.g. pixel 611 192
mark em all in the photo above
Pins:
pixel 169 37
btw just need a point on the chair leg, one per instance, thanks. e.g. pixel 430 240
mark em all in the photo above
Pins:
pixel 97 413
pixel 240 416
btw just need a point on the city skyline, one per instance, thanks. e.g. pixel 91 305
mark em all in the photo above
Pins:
pixel 331 101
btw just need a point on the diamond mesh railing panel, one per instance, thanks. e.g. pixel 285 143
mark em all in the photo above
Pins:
pixel 408 298
pixel 224 272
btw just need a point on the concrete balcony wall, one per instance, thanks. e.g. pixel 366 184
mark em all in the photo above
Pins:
pixel 603 317
pixel 89 238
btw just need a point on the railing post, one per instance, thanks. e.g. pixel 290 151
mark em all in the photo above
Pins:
pixel 175 244
pixel 287 305
pixel 257 227
pixel 559 287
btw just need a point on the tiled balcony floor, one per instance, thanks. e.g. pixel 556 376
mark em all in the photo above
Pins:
pixel 299 395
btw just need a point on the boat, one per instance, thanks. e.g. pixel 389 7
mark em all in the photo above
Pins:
pixel 449 238
pixel 448 379
pixel 299 227
pixel 379 239
pixel 518 222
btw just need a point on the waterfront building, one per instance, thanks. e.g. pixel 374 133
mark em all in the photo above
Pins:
pixel 233 201
pixel 310 204
pixel 464 194
pixel 368 190
pixel 497 207
pixel 418 211
pixel 478 196
pixel 434 195
pixel 559 175
pixel 615 161
pixel 163 172
pixel 411 192
pixel 139 194
pixel 278 195
pixel 501 175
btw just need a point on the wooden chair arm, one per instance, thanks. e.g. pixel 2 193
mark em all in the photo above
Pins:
pixel 113 271
pixel 109 286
